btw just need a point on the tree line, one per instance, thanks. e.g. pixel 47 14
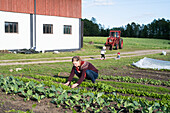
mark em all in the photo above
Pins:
pixel 156 29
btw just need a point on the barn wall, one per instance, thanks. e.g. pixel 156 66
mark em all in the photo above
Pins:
pixel 58 40
pixel 18 40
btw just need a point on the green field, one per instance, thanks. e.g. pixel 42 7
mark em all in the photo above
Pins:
pixel 130 44
pixel 135 89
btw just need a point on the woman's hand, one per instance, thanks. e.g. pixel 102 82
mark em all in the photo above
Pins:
pixel 74 85
pixel 67 83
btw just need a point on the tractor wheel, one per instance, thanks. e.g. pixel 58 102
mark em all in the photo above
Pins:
pixel 116 47
pixel 111 47
pixel 121 44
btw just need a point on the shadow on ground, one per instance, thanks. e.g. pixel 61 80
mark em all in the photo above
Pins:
pixel 99 47
pixel 74 79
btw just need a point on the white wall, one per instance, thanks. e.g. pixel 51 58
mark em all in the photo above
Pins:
pixel 58 40
pixel 18 40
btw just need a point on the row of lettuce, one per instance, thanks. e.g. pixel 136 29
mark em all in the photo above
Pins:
pixel 104 87
pixel 96 100
pixel 136 80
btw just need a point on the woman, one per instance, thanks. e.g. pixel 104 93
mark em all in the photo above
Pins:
pixel 82 69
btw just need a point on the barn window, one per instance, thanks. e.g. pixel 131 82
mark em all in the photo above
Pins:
pixel 11 27
pixel 48 28
pixel 67 29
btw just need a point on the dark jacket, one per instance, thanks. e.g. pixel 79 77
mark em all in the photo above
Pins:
pixel 85 66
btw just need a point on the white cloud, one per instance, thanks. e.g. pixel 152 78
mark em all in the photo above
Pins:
pixel 84 1
pixel 91 3
pixel 103 2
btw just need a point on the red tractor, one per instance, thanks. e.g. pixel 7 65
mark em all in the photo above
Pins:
pixel 114 40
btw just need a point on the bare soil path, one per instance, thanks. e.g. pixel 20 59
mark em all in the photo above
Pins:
pixel 90 57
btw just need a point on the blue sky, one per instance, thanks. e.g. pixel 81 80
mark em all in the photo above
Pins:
pixel 116 13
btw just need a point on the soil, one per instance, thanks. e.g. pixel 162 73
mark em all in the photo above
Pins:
pixel 9 102
pixel 136 73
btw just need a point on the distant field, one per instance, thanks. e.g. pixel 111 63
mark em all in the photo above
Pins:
pixel 135 43
pixel 130 44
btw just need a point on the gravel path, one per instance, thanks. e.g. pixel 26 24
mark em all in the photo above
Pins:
pixel 90 57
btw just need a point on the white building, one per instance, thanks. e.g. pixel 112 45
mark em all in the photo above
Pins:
pixel 40 24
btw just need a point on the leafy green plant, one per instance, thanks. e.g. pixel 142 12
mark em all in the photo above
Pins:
pixel 40 89
pixel 112 109
pixel 50 92
pixel 38 97
pixel 27 94
pixel 60 98
pixel 30 85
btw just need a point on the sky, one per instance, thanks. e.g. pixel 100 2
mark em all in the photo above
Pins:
pixel 117 13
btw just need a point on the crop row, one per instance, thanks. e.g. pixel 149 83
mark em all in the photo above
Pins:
pixel 107 88
pixel 135 80
pixel 139 87
pixel 73 97
pixel 99 87
pixel 48 82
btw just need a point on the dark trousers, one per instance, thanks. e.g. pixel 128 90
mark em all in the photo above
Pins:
pixel 90 75
pixel 103 56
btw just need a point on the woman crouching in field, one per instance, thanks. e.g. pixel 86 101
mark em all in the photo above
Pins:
pixel 82 69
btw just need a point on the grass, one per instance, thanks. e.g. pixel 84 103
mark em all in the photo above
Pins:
pixel 33 60
pixel 53 68
pixel 130 44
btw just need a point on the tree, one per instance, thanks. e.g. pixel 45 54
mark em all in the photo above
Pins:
pixel 156 29
pixel 144 31
pixel 90 28
pixel 129 30
pixel 93 20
